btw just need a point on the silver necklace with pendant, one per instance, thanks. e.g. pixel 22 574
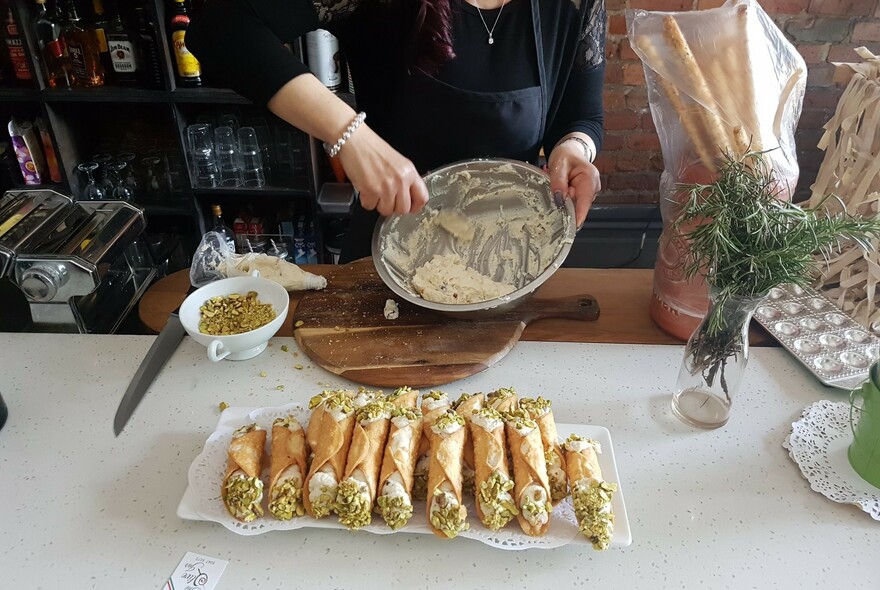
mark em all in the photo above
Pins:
pixel 492 30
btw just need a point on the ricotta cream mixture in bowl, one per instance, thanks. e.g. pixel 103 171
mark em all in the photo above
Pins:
pixel 489 236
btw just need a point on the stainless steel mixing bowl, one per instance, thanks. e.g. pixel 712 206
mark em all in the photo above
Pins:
pixel 494 190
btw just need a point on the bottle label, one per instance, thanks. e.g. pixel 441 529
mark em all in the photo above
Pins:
pixel 18 57
pixel 122 55
pixel 180 19
pixel 323 51
pixel 77 59
pixel 102 40
pixel 187 64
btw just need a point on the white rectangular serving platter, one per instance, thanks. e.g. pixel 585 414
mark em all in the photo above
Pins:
pixel 207 505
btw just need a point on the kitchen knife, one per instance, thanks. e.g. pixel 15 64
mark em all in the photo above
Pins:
pixel 164 346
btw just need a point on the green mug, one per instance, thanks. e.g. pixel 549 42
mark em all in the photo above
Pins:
pixel 864 451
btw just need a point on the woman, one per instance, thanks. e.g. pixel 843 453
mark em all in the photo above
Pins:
pixel 439 81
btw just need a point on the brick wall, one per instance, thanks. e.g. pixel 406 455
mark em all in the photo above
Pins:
pixel 823 31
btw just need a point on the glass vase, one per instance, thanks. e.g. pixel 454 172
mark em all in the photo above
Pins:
pixel 714 362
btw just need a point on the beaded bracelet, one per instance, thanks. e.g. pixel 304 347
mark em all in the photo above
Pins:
pixel 333 150
pixel 589 151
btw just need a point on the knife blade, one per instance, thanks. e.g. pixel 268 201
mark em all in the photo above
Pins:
pixel 159 353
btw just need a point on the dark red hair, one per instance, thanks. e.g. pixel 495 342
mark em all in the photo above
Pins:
pixel 432 42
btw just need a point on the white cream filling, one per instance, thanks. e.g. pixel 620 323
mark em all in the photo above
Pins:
pixel 401 444
pixel 524 430
pixel 486 423
pixel 556 472
pixel 422 464
pixel 338 413
pixel 579 446
pixel 445 499
pixel 429 403
pixel 401 422
pixel 489 509
pixel 391 311
pixel 538 495
pixel 450 428
pixel 322 479
pixel 586 483
pixel 394 488
pixel 382 416
pixel 362 398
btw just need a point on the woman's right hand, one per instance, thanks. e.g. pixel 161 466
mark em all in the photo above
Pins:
pixel 386 180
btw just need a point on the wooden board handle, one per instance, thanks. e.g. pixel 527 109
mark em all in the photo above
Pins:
pixel 573 307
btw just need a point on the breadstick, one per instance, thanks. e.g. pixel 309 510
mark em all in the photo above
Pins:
pixel 739 58
pixel 679 46
pixel 690 120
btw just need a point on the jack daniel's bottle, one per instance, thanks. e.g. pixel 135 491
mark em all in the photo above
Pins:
pixel 82 47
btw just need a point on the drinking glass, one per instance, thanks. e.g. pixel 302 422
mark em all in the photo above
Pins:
pixel 121 191
pixel 130 175
pixel 152 175
pixel 228 160
pixel 101 175
pixel 228 120
pixel 201 155
pixel 251 159
pixel 91 191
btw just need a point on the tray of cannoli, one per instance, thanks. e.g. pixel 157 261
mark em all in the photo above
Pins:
pixel 492 467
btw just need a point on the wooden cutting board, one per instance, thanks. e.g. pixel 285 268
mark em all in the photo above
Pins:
pixel 345 331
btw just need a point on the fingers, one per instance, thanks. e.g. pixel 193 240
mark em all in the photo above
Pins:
pixel 418 193
pixel 559 176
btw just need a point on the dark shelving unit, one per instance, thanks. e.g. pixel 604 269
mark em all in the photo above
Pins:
pixel 82 120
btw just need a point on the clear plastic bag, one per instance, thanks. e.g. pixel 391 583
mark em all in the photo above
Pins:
pixel 214 260
pixel 721 82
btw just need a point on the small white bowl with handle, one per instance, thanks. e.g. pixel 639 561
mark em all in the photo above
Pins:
pixel 237 347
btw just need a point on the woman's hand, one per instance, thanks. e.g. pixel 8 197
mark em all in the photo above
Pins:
pixel 574 176
pixel 386 181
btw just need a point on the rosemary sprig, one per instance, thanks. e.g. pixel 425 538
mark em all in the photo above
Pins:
pixel 745 240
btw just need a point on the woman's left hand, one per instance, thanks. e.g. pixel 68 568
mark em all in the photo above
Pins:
pixel 573 176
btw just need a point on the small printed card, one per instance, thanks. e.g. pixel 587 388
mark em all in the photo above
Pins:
pixel 196 572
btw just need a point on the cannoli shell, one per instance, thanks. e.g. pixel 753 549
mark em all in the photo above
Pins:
pixel 507 404
pixel 490 455
pixel 550 437
pixel 246 454
pixel 465 410
pixel 410 399
pixel 314 427
pixel 402 463
pixel 333 442
pixel 529 466
pixel 445 465
pixel 365 452
pixel 429 417
pixel 288 448
pixel 581 464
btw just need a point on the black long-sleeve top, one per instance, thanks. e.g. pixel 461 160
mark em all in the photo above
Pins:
pixel 240 45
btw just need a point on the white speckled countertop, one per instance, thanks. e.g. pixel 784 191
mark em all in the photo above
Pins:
pixel 724 509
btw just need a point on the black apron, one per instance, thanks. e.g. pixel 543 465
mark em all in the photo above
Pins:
pixel 434 124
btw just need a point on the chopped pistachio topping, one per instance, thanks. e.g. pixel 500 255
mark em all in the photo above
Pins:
pixel 535 407
pixel 317 400
pixel 399 392
pixel 461 399
pixel 298 323
pixel 556 475
pixel 408 413
pixel 420 479
pixel 325 502
pixel 447 422
pixel 500 394
pixel 446 515
pixel 338 400
pixel 375 410
pixel 288 421
pixel 263 373
pixel 436 395
pixel 592 503
pixel 496 502
pixel 489 413
pixel 536 512
pixel 245 429
pixel 395 510
pixel 353 504
pixel 223 406
pixel 520 420
pixel 288 501
pixel 243 496
pixel 468 480
pixel 284 348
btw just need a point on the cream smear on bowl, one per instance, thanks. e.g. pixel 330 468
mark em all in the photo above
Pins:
pixel 486 232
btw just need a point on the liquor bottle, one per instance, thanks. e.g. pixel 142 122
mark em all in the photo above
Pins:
pixel 56 63
pixel 150 69
pixel 322 49
pixel 124 51
pixel 82 47
pixel 15 44
pixel 189 71
pixel 100 25
pixel 219 226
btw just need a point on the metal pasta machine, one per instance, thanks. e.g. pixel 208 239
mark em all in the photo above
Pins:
pixel 79 264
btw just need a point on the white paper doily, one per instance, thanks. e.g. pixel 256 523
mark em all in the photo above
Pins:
pixel 818 443
pixel 201 501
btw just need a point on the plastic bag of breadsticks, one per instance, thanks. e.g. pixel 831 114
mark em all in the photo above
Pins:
pixel 214 260
pixel 721 83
